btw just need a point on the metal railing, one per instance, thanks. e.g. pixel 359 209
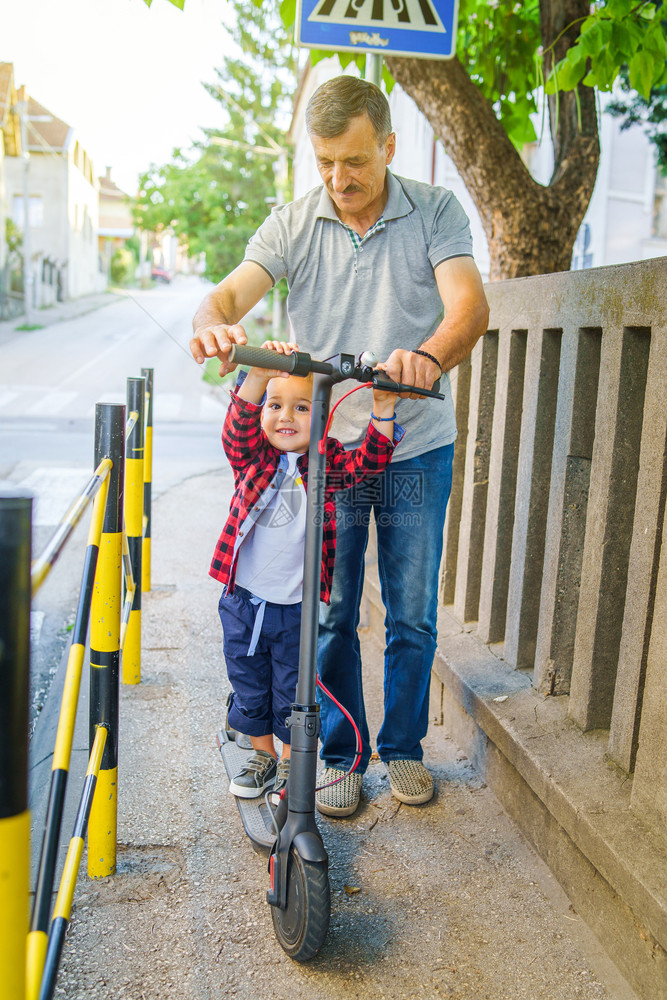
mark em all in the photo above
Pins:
pixel 120 521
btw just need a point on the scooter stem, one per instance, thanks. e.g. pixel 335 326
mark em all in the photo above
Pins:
pixel 296 819
pixel 312 559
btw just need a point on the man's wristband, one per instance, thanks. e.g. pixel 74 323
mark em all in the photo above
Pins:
pixel 373 417
pixel 425 354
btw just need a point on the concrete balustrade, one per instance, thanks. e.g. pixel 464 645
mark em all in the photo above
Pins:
pixel 564 443
pixel 484 363
pixel 551 668
pixel 532 496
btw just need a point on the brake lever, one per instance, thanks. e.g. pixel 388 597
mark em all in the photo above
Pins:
pixel 380 381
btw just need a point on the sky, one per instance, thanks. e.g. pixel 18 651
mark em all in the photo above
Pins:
pixel 128 78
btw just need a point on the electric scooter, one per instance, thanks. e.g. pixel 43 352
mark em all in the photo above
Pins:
pixel 299 892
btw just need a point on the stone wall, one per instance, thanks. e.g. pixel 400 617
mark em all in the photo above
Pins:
pixel 552 654
pixel 556 552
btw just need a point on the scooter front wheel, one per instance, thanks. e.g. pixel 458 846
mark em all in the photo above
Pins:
pixel 301 928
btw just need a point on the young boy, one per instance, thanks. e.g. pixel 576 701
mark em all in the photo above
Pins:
pixel 259 556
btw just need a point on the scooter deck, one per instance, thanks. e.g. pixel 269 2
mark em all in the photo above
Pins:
pixel 235 750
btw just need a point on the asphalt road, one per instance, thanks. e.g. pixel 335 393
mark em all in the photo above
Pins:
pixel 50 381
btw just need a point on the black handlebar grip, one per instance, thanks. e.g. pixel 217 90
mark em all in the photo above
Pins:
pixel 382 381
pixel 261 357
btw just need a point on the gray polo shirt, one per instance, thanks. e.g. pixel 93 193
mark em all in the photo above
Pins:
pixel 377 297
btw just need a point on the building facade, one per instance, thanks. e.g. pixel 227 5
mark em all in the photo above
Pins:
pixel 116 226
pixel 63 207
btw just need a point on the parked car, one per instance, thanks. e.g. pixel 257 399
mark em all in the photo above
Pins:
pixel 161 274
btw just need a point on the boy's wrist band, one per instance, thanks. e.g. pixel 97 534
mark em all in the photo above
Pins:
pixel 425 354
pixel 373 417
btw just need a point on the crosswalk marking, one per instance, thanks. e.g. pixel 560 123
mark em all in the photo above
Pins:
pixel 7 397
pixel 409 15
pixel 36 401
pixel 167 406
pixel 54 489
pixel 51 404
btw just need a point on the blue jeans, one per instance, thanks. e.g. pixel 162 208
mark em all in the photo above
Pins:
pixel 409 501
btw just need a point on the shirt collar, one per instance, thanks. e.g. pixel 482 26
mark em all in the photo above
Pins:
pixel 397 205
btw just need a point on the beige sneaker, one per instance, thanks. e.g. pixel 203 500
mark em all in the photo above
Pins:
pixel 340 799
pixel 410 782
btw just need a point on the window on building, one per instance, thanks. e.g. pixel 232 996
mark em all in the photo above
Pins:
pixel 35 211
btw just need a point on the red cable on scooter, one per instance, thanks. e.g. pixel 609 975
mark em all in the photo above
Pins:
pixel 322 445
pixel 357 735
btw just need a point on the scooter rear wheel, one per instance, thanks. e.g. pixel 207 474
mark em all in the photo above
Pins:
pixel 301 928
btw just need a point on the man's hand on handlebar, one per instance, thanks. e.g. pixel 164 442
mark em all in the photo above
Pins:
pixel 216 342
pixel 381 396
pixel 411 369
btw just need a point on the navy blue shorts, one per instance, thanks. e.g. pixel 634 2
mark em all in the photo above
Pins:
pixel 264 684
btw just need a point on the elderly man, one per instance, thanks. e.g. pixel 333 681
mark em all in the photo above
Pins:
pixel 373 262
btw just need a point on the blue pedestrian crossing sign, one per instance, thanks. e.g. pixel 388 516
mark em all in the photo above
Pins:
pixel 423 28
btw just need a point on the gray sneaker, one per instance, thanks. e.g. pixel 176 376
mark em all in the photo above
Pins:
pixel 340 799
pixel 410 782
pixel 253 779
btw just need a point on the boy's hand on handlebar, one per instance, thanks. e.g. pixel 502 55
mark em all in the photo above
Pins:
pixel 280 347
pixel 411 369
pixel 216 342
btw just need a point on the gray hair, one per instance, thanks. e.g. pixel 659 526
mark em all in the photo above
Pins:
pixel 337 101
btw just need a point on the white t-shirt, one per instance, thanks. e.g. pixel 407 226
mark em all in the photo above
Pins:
pixel 270 560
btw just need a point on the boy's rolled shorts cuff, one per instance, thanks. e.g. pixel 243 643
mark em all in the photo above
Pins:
pixel 256 727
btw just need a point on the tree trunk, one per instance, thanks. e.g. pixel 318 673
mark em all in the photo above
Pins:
pixel 530 227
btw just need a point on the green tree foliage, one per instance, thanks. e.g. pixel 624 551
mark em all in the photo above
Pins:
pixel 617 34
pixel 177 3
pixel 215 196
pixel 13 236
pixel 123 264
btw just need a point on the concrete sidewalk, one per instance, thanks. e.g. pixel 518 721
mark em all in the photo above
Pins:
pixel 443 900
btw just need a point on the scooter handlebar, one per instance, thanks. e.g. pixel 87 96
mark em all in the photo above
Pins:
pixel 260 357
pixel 300 363
pixel 381 381
pixel 296 363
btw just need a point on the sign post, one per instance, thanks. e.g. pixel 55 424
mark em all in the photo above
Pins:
pixel 422 28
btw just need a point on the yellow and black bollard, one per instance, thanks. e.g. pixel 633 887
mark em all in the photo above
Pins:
pixel 105 642
pixel 147 373
pixel 15 552
pixel 134 525
pixel 62 910
pixel 41 909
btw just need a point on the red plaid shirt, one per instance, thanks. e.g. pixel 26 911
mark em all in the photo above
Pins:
pixel 255 463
